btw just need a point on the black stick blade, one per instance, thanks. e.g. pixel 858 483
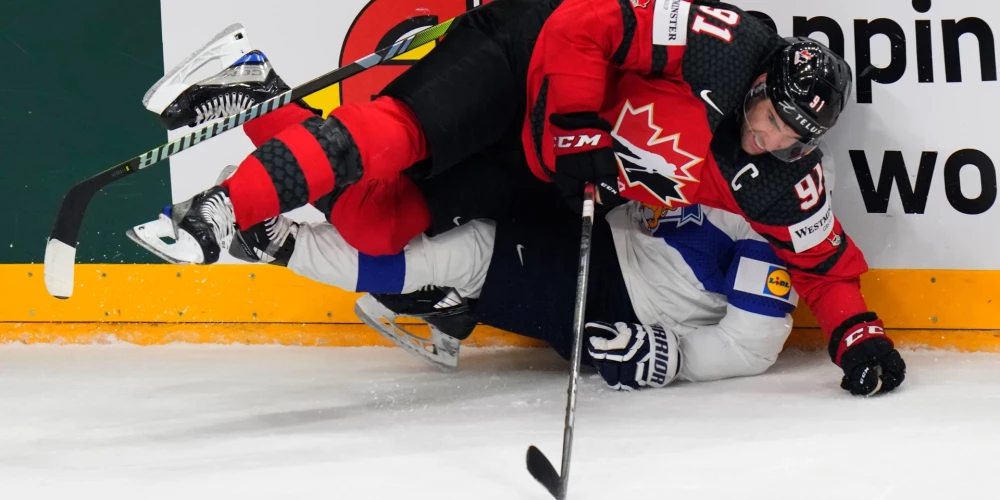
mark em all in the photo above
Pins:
pixel 543 471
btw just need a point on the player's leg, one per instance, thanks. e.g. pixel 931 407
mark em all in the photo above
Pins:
pixel 528 290
pixel 475 165
pixel 531 285
pixel 742 345
pixel 458 259
pixel 428 280
pixel 448 316
pixel 379 216
pixel 378 139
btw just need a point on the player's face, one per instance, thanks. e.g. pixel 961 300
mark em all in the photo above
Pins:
pixel 764 130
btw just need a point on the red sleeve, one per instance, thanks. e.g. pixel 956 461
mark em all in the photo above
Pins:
pixel 825 264
pixel 583 39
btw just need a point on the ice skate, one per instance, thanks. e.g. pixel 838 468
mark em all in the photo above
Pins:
pixel 222 78
pixel 447 315
pixel 200 229
pixel 269 242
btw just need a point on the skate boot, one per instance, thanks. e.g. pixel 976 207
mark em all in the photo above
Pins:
pixel 222 78
pixel 269 242
pixel 200 229
pixel 447 315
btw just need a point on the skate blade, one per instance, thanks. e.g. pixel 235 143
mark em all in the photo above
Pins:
pixel 184 250
pixel 228 45
pixel 441 350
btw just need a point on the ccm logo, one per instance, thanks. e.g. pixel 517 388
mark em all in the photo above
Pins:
pixel 861 333
pixel 577 141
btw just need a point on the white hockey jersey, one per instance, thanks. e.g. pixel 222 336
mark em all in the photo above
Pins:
pixel 700 272
pixel 706 275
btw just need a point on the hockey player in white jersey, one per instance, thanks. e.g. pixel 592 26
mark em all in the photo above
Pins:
pixel 692 294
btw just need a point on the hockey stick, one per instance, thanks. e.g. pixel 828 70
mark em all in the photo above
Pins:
pixel 538 465
pixel 60 251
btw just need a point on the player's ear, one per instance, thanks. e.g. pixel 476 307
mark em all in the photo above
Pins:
pixel 760 79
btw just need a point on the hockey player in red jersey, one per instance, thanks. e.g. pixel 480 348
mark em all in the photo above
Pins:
pixel 668 102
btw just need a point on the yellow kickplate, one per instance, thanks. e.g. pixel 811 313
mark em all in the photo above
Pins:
pixel 150 304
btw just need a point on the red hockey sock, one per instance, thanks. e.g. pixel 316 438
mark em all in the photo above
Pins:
pixel 283 174
pixel 264 128
pixel 293 168
pixel 380 216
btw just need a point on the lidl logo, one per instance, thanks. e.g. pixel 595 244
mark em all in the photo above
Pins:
pixel 779 283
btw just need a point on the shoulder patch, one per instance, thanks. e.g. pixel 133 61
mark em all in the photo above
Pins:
pixel 814 230
pixel 763 288
pixel 670 22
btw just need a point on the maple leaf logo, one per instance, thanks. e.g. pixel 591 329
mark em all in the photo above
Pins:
pixel 650 161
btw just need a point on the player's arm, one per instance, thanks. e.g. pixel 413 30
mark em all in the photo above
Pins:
pixel 582 39
pixel 825 267
pixel 579 44
pixel 748 339
pixel 745 342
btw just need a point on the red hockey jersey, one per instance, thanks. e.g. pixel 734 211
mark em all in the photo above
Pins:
pixel 670 76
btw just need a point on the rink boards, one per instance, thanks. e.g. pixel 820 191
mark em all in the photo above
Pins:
pixel 915 183
pixel 156 304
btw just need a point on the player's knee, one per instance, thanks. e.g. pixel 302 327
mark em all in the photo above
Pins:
pixel 757 356
pixel 729 359
pixel 379 217
pixel 756 365
pixel 370 234
pixel 371 242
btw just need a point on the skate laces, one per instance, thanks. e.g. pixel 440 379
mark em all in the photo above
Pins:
pixel 218 210
pixel 278 229
pixel 222 106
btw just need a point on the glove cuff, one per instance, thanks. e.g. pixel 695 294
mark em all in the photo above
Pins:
pixel 854 330
pixel 665 356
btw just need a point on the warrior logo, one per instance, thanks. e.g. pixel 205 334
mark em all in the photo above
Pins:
pixel 640 4
pixel 648 161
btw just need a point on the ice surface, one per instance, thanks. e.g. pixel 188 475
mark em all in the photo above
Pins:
pixel 186 422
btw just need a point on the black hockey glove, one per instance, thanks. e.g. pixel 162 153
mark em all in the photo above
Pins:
pixel 633 356
pixel 585 153
pixel 870 362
